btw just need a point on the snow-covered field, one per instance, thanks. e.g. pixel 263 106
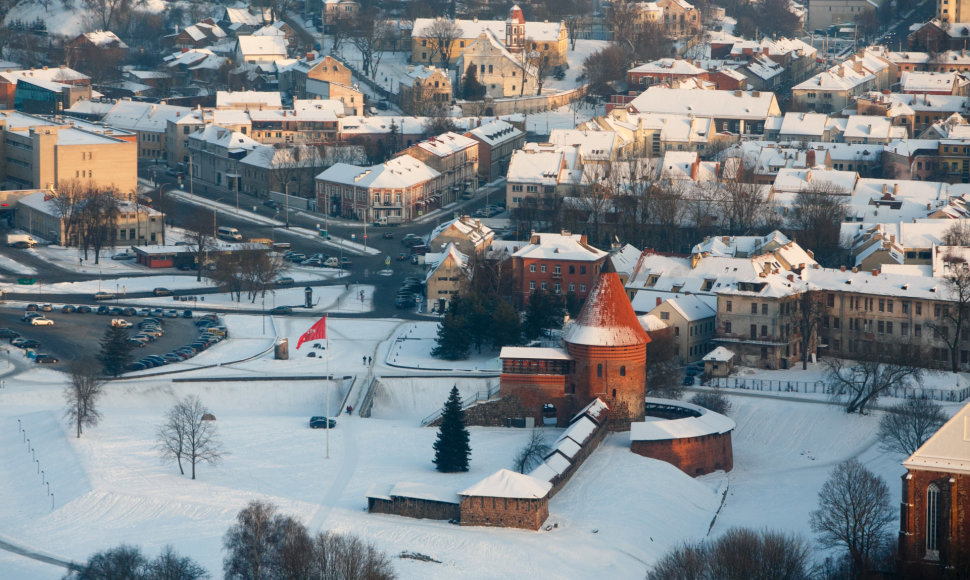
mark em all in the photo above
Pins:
pixel 618 514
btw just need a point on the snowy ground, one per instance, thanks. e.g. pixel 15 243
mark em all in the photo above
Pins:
pixel 412 348
pixel 617 516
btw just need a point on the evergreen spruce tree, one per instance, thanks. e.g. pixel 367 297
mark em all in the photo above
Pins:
pixel 545 311
pixel 478 319
pixel 453 341
pixel 452 450
pixel 115 350
pixel 472 90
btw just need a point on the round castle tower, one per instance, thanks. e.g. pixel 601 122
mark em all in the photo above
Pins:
pixel 609 347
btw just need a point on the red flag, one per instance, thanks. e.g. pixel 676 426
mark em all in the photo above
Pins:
pixel 316 332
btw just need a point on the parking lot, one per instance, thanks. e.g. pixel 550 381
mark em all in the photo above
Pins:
pixel 78 335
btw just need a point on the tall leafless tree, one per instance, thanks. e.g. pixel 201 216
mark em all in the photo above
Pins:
pixel 953 319
pixel 369 33
pixel 805 314
pixel 854 512
pixel 532 453
pixel 200 234
pixel 905 427
pixel 187 434
pixel 259 269
pixel 82 393
pixel 442 35
pixel 251 541
pixel 858 383
pixel 816 220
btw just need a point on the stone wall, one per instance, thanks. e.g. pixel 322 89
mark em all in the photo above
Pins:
pixel 501 512
pixel 494 413
pixel 525 105
pixel 410 507
pixel 563 478
pixel 692 455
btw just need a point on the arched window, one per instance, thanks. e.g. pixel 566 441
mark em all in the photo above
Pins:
pixel 623 371
pixel 933 521
pixel 599 371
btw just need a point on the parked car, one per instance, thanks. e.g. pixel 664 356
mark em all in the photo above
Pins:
pixel 345 262
pixel 161 292
pixel 104 296
pixel 144 312
pixel 83 309
pixel 282 310
pixel 171 313
pixel 67 309
pixel 284 281
pixel 45 359
pixel 388 235
pixel 41 321
pixel 120 323
pixel 322 423
pixel 28 316
pixel 17 341
pixel 32 308
pixel 187 314
pixel 124 256
pixel 129 311
pixel 8 333
pixel 47 308
pixel 30 344
pixel 689 381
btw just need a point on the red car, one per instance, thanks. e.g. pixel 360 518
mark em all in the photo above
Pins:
pixel 403 256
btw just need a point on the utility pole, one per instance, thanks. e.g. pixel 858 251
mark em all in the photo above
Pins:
pixel 191 181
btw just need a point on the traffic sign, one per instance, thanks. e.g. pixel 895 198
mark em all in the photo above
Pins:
pixel 387 261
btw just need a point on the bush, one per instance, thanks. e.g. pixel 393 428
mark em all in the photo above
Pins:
pixel 713 400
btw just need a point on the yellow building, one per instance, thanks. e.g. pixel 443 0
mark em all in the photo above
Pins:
pixel 43 154
pixel 549 39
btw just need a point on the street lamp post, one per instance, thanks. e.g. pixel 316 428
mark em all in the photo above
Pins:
pixel 286 202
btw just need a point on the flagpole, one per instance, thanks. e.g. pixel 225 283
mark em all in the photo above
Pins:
pixel 328 393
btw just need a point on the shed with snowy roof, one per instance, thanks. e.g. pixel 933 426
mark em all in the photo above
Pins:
pixel 719 362
pixel 506 499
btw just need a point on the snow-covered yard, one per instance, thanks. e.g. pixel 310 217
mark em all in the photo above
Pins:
pixel 618 514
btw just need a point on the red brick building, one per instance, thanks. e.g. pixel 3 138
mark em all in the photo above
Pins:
pixel 694 439
pixel 558 263
pixel 604 357
pixel 934 532
pixel 506 499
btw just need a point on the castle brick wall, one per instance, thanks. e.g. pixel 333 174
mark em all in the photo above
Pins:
pixel 411 507
pixel 503 512
pixel 692 455
pixel 622 378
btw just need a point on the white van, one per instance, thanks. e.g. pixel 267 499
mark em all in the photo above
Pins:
pixel 229 234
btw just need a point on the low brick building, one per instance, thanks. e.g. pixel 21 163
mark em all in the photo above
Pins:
pixel 415 500
pixel 694 439
pixel 934 531
pixel 506 499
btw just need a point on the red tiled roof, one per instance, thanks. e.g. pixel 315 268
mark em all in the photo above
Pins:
pixel 607 317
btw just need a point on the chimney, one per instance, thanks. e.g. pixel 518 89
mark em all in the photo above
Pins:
pixel 875 272
pixel 810 158
pixel 659 300
pixel 791 277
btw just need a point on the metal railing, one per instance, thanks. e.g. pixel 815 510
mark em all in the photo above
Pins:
pixel 820 387
pixel 481 395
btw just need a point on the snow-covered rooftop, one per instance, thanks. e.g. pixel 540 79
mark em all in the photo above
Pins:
pixel 708 423
pixel 948 450
pixel 402 171
pixel 607 317
pixel 534 352
pixel 509 484
pixel 719 354
pixel 563 246
pixel 751 105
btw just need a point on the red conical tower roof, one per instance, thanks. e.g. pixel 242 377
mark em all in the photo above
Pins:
pixel 515 15
pixel 607 317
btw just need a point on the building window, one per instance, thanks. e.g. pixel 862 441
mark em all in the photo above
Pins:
pixel 544 286
pixel 599 370
pixel 933 521
pixel 572 269
pixel 831 302
pixel 727 306
pixel 532 285
pixel 754 308
pixel 664 316
pixel 676 331
pixel 543 268
pixel 532 267
pixel 623 371
pixel 764 309
pixel 572 287
pixel 582 269
pixel 582 288
pixel 727 328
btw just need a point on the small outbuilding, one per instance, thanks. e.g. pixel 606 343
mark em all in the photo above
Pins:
pixel 506 499
pixel 719 362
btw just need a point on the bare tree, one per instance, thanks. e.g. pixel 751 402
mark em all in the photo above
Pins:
pixel 229 273
pixel 187 434
pixel 251 541
pixel 816 217
pixel 905 427
pixel 533 453
pixel 739 554
pixel 537 63
pixel 346 557
pixel 957 234
pixel 853 513
pixel 169 565
pixel 200 232
pixel 713 400
pixel 368 34
pixel 442 35
pixel 860 382
pixel 82 395
pixel 663 376
pixel 99 221
pixel 950 325
pixel 259 269
pixel 805 315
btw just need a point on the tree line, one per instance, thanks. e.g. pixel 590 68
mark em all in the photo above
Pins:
pixel 262 544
